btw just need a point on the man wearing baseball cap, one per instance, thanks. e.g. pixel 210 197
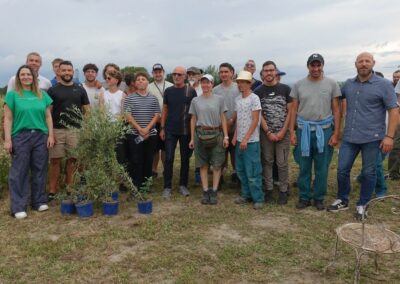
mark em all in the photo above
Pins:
pixel 317 116
pixel 193 77
pixel 157 88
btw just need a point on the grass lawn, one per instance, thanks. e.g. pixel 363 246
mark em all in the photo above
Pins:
pixel 186 242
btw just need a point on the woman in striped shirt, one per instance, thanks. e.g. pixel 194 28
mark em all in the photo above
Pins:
pixel 142 111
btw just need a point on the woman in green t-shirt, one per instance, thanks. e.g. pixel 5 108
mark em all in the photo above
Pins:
pixel 28 130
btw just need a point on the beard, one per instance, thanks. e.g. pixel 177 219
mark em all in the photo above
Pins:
pixel 66 78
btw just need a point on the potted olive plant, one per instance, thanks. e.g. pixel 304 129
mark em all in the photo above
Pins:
pixel 145 206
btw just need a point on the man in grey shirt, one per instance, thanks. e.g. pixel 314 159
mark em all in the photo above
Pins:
pixel 317 117
pixel 229 91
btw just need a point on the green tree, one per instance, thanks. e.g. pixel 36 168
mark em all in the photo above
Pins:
pixel 213 70
pixel 133 70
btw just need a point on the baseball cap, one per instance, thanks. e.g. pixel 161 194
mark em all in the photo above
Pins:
pixel 280 73
pixel 208 77
pixel 315 57
pixel 158 66
pixel 194 70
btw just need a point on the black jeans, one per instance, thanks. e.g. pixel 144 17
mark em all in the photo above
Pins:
pixel 170 144
pixel 141 158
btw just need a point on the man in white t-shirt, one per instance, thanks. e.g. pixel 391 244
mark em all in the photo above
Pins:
pixel 92 86
pixel 157 88
pixel 247 142
pixel 33 60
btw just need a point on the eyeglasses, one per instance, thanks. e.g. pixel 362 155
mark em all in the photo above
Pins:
pixel 177 74
pixel 109 78
pixel 250 65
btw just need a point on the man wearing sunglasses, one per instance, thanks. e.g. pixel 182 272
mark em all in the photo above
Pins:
pixel 175 126
pixel 251 67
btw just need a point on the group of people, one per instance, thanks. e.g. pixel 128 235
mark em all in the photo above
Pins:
pixel 252 122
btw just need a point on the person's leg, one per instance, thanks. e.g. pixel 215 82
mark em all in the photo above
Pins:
pixel 321 166
pixel 136 160
pixel 18 177
pixel 204 177
pixel 394 157
pixel 185 156
pixel 370 154
pixel 38 165
pixel 69 172
pixel 282 149
pixel 241 172
pixel 56 154
pixel 347 154
pixel 267 158
pixel 305 167
pixel 253 170
pixel 381 186
pixel 170 145
pixel 148 154
pixel 54 175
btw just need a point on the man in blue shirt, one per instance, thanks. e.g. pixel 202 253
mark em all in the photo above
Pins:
pixel 368 97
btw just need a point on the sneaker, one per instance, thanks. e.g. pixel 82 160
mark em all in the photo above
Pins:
pixel 303 204
pixel 213 197
pixel 269 199
pixel 197 178
pixel 319 204
pixel 51 196
pixel 282 198
pixel 258 205
pixel 43 207
pixel 184 191
pixel 361 213
pixel 241 200
pixel 206 197
pixel 338 205
pixel 166 193
pixel 20 215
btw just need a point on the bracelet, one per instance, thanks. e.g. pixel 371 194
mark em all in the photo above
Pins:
pixel 391 137
pixel 161 127
pixel 226 137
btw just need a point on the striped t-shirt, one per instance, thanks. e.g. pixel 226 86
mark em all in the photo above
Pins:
pixel 142 109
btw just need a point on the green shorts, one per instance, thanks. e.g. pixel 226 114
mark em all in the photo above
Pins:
pixel 211 156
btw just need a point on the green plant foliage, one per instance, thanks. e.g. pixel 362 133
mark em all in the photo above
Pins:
pixel 5 159
pixel 99 173
pixel 145 188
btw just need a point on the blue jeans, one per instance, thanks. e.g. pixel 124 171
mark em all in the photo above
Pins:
pixel 320 162
pixel 347 154
pixel 170 144
pixel 381 186
pixel 30 155
pixel 248 169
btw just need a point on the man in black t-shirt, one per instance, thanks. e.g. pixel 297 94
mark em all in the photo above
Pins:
pixel 175 126
pixel 66 96
pixel 276 104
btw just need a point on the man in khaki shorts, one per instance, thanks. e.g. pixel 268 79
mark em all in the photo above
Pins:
pixel 66 95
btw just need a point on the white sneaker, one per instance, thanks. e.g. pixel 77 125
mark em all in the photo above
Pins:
pixel 43 207
pixel 361 213
pixel 20 215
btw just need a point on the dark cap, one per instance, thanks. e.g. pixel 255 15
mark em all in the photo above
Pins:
pixel 158 66
pixel 194 70
pixel 280 73
pixel 315 57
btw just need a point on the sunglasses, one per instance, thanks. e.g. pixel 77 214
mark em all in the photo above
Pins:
pixel 250 65
pixel 177 74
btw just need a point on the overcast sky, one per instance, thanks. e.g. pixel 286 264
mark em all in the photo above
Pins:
pixel 200 33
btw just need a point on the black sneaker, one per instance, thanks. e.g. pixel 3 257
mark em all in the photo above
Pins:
pixel 303 204
pixel 268 198
pixel 319 204
pixel 213 196
pixel 282 198
pixel 51 196
pixel 206 197
pixel 338 205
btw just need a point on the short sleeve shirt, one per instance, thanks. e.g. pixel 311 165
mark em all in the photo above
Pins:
pixel 93 94
pixel 29 111
pixel 158 90
pixel 65 99
pixel 208 110
pixel 367 104
pixel 229 94
pixel 244 109
pixel 178 102
pixel 315 98
pixel 274 101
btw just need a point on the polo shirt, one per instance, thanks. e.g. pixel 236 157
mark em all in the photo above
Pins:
pixel 367 103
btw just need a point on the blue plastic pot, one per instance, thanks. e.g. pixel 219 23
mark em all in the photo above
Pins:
pixel 110 208
pixel 67 207
pixel 84 209
pixel 145 207
pixel 115 195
